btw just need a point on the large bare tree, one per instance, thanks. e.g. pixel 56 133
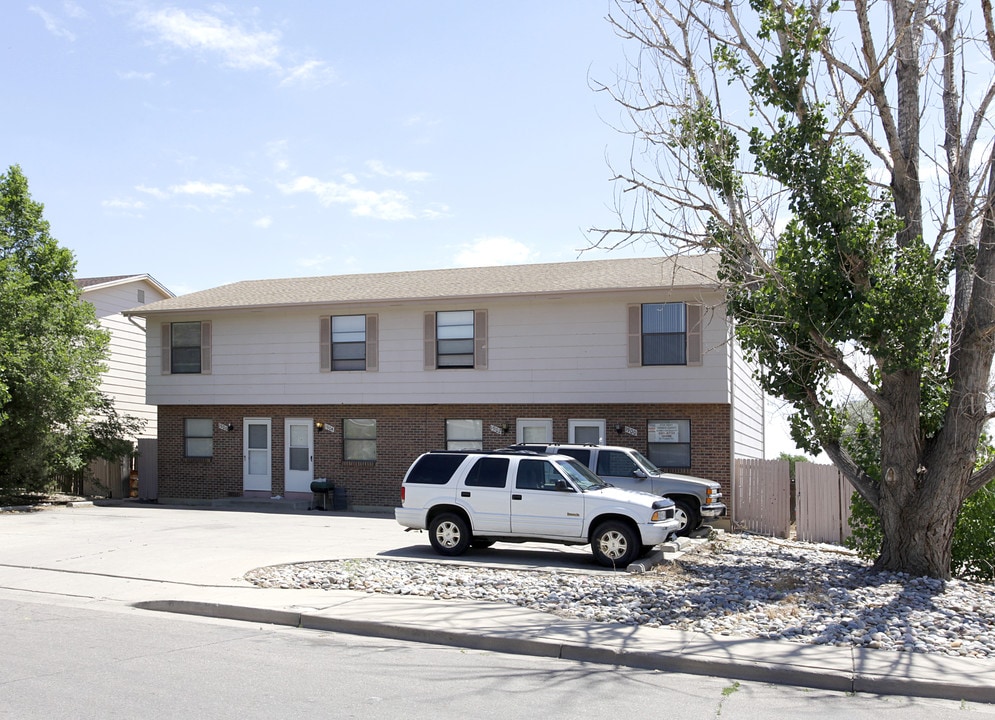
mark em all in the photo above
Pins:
pixel 838 155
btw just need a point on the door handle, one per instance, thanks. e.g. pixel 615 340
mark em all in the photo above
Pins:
pixel 516 496
pixel 465 493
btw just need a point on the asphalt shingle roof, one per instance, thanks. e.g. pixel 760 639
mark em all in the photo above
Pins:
pixel 694 271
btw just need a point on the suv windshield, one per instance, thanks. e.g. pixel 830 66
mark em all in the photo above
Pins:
pixel 582 477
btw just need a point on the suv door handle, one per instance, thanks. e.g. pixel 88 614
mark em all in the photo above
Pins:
pixel 516 496
pixel 465 493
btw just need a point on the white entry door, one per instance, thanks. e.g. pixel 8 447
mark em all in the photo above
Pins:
pixel 299 454
pixel 534 430
pixel 257 466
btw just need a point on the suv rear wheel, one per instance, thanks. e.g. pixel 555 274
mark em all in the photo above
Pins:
pixel 449 534
pixel 615 544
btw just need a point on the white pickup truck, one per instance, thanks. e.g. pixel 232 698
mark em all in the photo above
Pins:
pixel 473 499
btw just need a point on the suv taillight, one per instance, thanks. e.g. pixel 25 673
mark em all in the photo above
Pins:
pixel 402 494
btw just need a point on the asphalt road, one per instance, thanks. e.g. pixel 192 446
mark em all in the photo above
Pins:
pixel 65 661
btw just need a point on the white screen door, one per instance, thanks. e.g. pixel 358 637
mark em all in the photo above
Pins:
pixel 534 430
pixel 299 454
pixel 591 432
pixel 257 469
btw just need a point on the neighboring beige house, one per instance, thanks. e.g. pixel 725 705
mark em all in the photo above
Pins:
pixel 264 386
pixel 124 380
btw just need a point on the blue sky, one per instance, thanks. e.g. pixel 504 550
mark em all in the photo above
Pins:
pixel 209 143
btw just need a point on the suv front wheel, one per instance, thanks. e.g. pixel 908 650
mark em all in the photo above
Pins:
pixel 615 544
pixel 449 534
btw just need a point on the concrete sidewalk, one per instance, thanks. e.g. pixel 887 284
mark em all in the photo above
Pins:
pixel 154 559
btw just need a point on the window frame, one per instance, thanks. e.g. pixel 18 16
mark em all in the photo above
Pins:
pixel 657 437
pixel 342 344
pixel 167 361
pixel 351 441
pixel 693 336
pixel 189 435
pixel 474 442
pixel 665 334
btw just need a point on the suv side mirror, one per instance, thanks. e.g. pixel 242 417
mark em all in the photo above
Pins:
pixel 563 486
pixel 637 473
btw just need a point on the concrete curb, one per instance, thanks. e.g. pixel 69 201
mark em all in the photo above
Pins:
pixel 715 657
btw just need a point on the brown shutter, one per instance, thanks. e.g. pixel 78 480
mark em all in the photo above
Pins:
pixel 694 339
pixel 167 347
pixel 480 340
pixel 635 336
pixel 430 341
pixel 372 343
pixel 205 347
pixel 325 344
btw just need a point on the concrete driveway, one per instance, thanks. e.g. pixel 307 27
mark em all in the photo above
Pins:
pixel 192 546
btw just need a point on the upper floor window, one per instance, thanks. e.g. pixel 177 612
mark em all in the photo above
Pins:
pixel 348 342
pixel 665 334
pixel 186 348
pixel 456 339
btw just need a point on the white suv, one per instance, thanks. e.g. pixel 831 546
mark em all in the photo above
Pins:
pixel 474 498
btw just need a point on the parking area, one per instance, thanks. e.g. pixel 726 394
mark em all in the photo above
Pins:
pixel 54 550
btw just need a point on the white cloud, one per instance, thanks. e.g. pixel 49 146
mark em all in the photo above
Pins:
pixel 383 205
pixel 222 35
pixel 196 30
pixel 73 9
pixel 411 176
pixel 52 24
pixel 154 192
pixel 196 187
pixel 310 73
pixel 122 204
pixel 263 222
pixel 494 251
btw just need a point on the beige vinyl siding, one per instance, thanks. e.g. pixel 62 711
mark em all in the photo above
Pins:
pixel 124 381
pixel 571 349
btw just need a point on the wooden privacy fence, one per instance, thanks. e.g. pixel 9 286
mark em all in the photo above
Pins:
pixel 763 493
pixel 822 499
pixel 762 497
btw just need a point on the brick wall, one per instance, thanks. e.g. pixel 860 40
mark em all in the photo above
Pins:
pixel 403 433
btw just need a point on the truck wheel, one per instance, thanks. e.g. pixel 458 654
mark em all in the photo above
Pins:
pixel 615 544
pixel 687 516
pixel 449 534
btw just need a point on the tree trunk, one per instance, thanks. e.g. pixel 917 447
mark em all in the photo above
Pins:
pixel 918 533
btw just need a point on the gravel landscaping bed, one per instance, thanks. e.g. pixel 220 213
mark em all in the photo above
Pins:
pixel 733 584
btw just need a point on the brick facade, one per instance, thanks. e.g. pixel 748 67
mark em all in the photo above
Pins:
pixel 403 433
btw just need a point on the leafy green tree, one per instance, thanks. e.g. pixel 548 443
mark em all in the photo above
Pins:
pixel 51 349
pixel 829 153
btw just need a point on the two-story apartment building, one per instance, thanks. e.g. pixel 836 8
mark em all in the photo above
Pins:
pixel 124 379
pixel 263 386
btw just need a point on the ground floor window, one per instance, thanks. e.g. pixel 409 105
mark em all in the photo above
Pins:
pixel 198 437
pixel 464 434
pixel 670 443
pixel 359 439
